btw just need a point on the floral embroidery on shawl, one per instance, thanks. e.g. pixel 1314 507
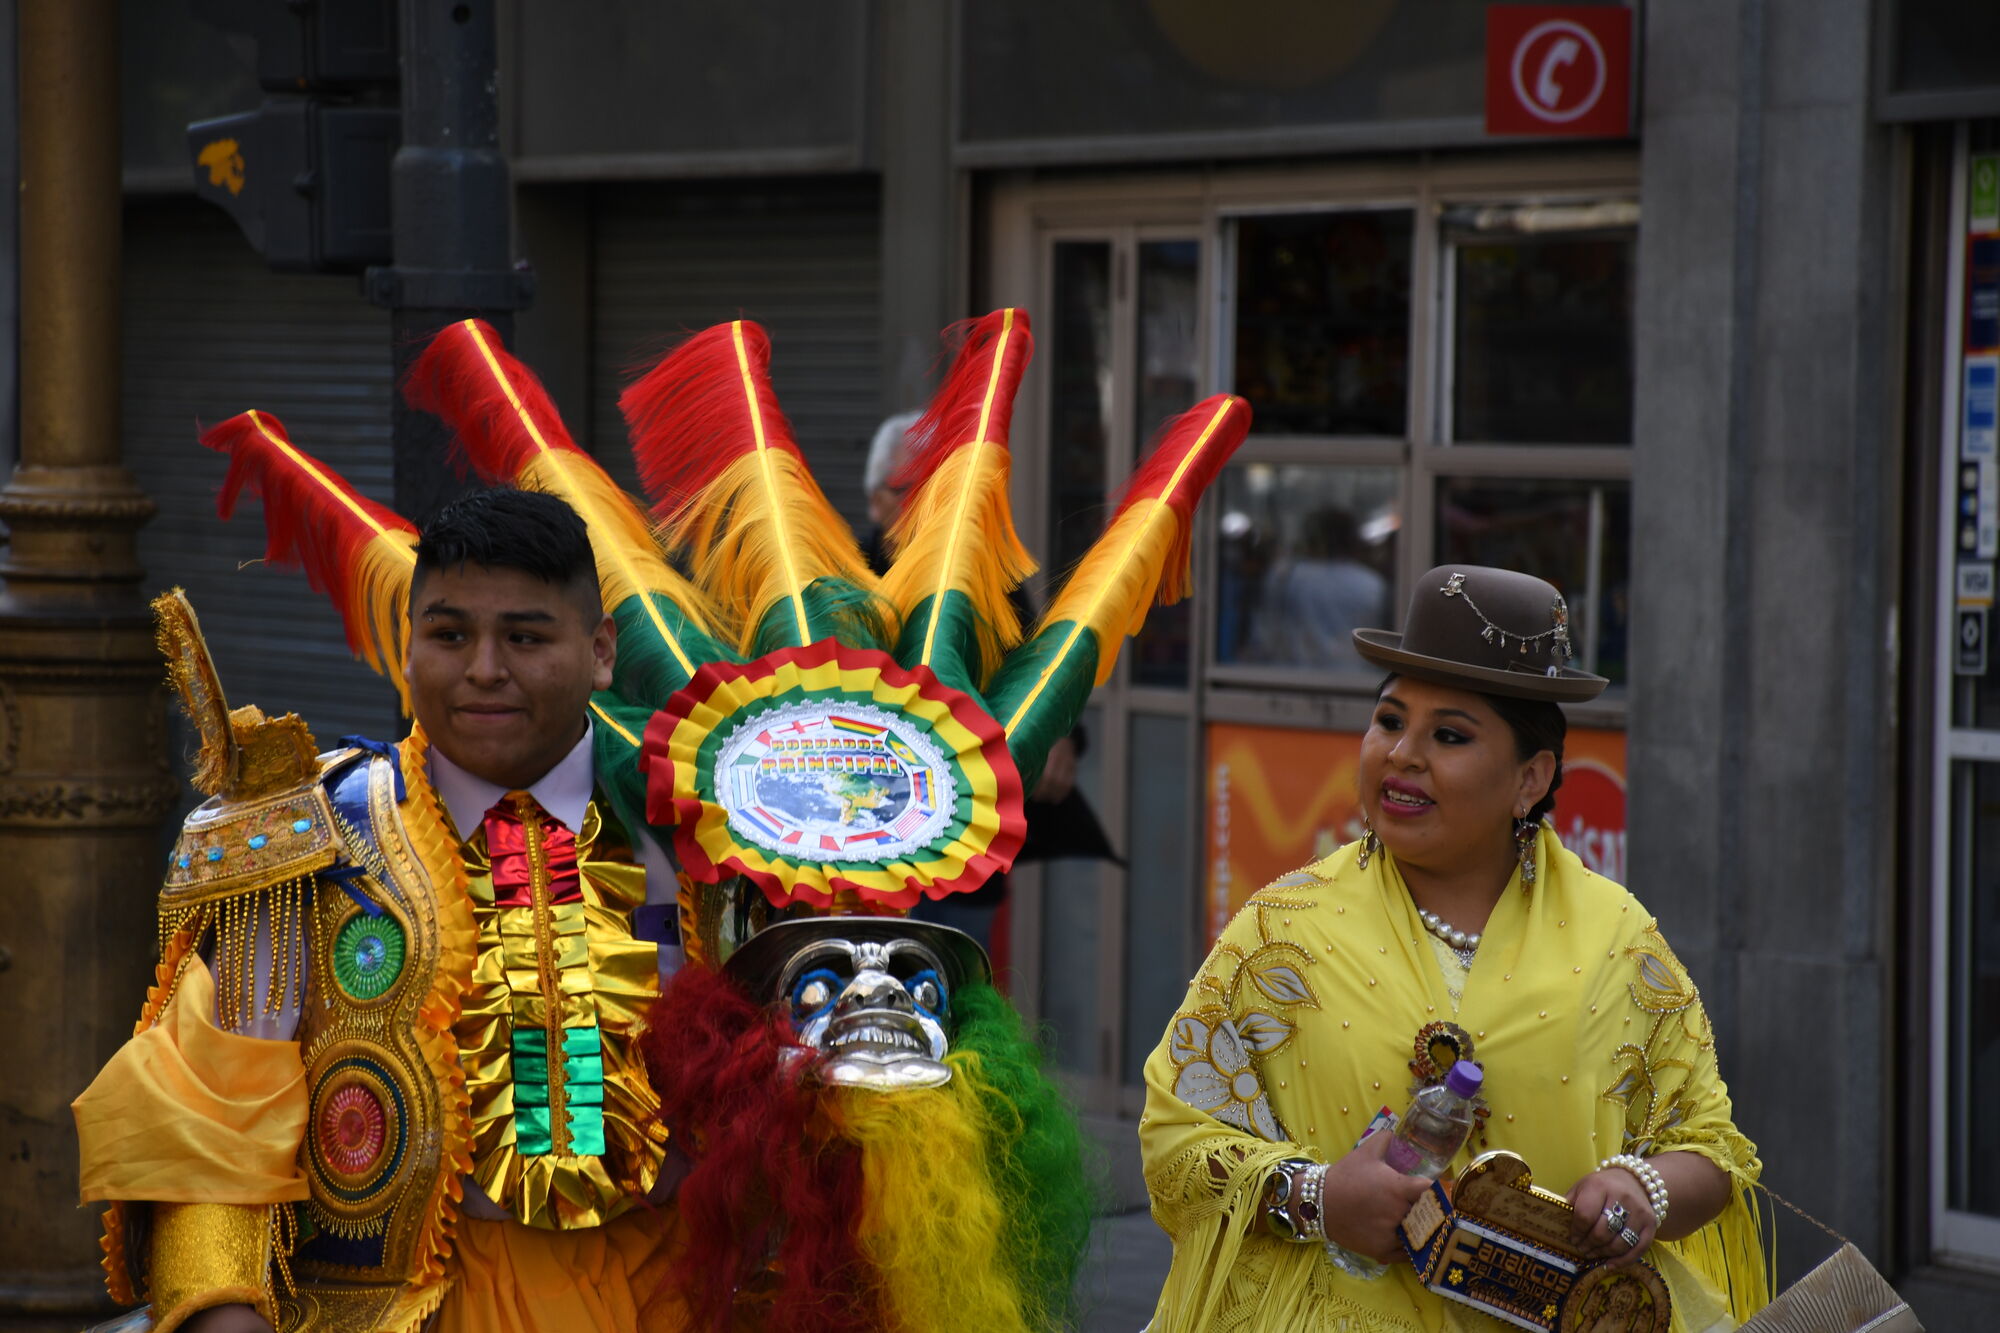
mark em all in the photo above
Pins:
pixel 1651 1084
pixel 1214 1054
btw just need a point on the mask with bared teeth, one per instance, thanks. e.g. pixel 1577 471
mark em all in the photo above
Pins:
pixel 871 996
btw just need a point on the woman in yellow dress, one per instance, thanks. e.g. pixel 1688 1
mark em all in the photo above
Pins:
pixel 1457 927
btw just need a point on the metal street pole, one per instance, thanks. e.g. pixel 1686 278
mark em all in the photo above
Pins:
pixel 451 205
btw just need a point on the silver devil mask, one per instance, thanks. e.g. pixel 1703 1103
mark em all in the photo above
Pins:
pixel 871 995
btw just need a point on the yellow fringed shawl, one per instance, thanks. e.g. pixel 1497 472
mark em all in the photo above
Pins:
pixel 1303 1022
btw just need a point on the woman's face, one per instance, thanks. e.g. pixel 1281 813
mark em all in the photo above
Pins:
pixel 1441 778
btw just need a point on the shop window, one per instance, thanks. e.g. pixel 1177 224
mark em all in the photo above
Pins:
pixel 1322 321
pixel 1080 396
pixel 1168 382
pixel 1577 535
pixel 1541 342
pixel 1306 555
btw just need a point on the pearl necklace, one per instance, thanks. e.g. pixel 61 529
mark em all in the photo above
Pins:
pixel 1461 942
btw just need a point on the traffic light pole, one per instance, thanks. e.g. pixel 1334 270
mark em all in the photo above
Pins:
pixel 451 205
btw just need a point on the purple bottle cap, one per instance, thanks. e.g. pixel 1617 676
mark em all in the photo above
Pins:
pixel 1464 1078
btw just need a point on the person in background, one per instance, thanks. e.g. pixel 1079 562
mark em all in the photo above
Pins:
pixel 1312 603
pixel 1060 821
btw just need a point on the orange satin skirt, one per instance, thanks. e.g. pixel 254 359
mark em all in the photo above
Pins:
pixel 508 1278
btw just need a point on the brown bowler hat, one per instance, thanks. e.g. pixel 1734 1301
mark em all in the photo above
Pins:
pixel 1484 629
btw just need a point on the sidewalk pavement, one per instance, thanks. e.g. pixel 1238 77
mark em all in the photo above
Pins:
pixel 1121 1277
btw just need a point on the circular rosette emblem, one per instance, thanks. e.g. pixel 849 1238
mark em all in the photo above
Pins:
pixel 825 769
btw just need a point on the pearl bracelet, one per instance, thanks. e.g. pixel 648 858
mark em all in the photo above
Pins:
pixel 1648 1176
pixel 1292 1200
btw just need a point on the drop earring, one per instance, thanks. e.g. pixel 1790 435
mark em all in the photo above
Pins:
pixel 1525 833
pixel 1370 844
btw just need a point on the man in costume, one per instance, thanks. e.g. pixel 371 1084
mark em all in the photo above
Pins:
pixel 455 1124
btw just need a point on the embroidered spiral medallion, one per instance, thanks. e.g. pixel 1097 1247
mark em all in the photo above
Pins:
pixel 360 1134
pixel 351 1130
pixel 368 956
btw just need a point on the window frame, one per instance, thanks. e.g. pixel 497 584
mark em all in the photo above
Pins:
pixel 1957 1238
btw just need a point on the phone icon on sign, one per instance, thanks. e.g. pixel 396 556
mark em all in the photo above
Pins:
pixel 1562 54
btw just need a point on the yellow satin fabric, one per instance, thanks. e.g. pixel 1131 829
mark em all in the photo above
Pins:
pixel 608 978
pixel 1592 1039
pixel 188 1113
pixel 515 1279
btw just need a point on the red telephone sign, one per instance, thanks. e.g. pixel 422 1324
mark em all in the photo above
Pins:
pixel 1559 69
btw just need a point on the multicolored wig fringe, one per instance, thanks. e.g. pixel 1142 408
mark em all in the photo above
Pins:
pixel 838 1209
pixel 771 1196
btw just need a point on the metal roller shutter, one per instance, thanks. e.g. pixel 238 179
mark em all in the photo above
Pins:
pixel 208 333
pixel 799 257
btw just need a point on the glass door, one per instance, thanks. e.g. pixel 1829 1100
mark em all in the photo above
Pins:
pixel 1111 945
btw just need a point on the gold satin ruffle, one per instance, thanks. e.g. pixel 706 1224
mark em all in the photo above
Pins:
pixel 615 985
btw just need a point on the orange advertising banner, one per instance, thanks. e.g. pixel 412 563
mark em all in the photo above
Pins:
pixel 1280 798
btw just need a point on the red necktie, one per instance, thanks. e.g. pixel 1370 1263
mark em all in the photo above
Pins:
pixel 524 841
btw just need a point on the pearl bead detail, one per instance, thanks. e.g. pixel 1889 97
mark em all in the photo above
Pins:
pixel 1444 930
pixel 1648 1177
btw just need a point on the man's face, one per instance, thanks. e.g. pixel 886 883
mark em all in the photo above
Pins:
pixel 502 666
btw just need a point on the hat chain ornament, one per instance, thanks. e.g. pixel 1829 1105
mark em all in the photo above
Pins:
pixel 1557 633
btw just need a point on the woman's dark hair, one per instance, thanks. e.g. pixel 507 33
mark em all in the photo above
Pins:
pixel 503 528
pixel 1537 725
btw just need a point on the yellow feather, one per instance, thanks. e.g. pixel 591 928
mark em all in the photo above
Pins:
pixel 1117 579
pixel 957 535
pixel 379 592
pixel 761 532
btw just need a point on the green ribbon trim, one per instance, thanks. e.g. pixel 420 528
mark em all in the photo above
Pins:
pixel 583 1092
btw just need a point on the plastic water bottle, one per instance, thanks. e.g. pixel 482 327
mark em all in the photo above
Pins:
pixel 1425 1140
pixel 1437 1124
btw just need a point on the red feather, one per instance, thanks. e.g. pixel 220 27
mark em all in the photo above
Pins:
pixel 690 417
pixel 1187 455
pixel 455 380
pixel 357 552
pixel 976 400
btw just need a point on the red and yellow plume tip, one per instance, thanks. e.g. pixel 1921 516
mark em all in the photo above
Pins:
pixel 956 553
pixel 717 458
pixel 359 553
pixel 509 428
pixel 1144 553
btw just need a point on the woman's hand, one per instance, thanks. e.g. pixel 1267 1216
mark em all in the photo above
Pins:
pixel 1364 1198
pixel 1611 1188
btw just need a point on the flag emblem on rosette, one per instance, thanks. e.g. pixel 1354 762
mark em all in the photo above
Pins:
pixel 825 768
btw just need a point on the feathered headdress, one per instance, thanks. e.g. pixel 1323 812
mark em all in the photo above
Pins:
pixel 846 766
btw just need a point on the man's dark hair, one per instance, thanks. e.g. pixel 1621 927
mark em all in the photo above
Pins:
pixel 508 529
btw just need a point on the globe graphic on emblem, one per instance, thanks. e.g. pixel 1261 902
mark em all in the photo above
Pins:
pixel 835 801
